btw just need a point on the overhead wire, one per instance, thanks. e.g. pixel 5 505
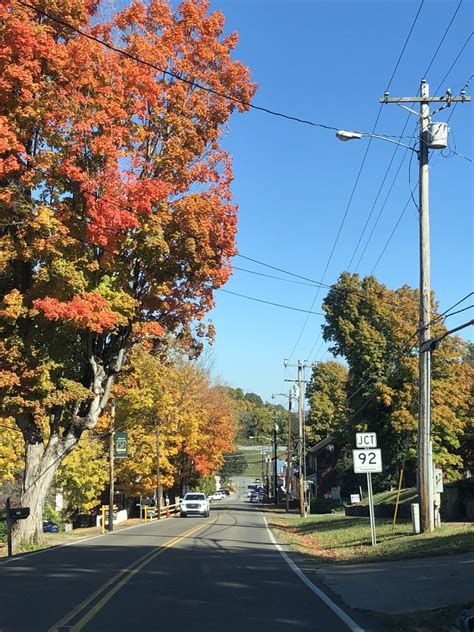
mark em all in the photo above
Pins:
pixel 415 19
pixel 190 82
pixel 260 300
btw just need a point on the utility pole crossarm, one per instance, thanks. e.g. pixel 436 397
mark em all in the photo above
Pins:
pixel 445 99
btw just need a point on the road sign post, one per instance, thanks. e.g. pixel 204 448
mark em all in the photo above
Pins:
pixel 367 460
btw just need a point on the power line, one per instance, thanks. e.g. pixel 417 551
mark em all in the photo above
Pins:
pixel 169 73
pixel 406 122
pixel 455 153
pixel 443 38
pixel 346 211
pixel 259 300
pixel 270 276
pixel 267 265
pixel 10 428
pixel 454 62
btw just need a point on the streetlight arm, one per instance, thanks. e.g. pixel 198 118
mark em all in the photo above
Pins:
pixel 344 135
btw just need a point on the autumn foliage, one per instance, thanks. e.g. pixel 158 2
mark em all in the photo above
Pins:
pixel 116 216
pixel 195 421
pixel 375 330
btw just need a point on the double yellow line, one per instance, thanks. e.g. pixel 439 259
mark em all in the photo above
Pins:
pixel 113 585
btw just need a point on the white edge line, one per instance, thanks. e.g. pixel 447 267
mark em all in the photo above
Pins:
pixel 17 558
pixel 317 591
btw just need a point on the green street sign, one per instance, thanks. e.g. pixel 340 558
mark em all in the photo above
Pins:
pixel 121 445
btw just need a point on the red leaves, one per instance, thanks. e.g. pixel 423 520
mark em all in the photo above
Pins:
pixel 89 311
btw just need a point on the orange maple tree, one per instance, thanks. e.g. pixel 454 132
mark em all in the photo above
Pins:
pixel 116 216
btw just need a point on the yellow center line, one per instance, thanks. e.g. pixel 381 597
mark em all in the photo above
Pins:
pixel 117 582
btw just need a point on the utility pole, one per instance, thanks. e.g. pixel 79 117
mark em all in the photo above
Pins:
pixel 427 140
pixel 158 475
pixel 301 438
pixel 111 465
pixel 289 465
pixel 275 463
pixel 301 449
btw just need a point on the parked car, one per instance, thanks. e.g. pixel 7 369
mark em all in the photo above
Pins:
pixel 217 496
pixel 50 527
pixel 254 497
pixel 194 503
pixel 226 492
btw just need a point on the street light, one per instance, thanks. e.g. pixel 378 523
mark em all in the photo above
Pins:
pixel 433 135
pixel 345 135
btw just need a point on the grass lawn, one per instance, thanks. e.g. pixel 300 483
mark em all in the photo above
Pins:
pixel 336 538
pixel 253 467
pixel 63 537
pixel 408 495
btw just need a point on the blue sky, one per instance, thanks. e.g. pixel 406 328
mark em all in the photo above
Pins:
pixel 330 62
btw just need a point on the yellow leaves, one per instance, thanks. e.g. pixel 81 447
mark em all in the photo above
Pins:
pixel 177 399
pixel 11 449
pixel 12 307
pixel 84 473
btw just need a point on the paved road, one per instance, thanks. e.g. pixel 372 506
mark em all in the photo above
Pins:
pixel 203 575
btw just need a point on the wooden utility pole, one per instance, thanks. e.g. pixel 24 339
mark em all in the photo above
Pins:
pixel 9 529
pixel 111 465
pixel 275 464
pixel 300 440
pixel 425 458
pixel 158 475
pixel 289 465
pixel 301 437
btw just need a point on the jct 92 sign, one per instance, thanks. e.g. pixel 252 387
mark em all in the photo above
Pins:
pixel 366 461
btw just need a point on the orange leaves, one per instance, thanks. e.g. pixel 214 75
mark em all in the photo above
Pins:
pixel 89 311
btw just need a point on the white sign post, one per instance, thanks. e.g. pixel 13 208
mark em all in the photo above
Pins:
pixel 368 459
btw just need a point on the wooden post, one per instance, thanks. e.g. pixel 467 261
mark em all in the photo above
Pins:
pixel 9 529
pixel 111 466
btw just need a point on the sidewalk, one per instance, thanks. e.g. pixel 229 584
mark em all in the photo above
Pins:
pixel 404 586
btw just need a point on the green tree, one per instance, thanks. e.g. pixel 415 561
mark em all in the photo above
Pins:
pixel 375 330
pixel 327 394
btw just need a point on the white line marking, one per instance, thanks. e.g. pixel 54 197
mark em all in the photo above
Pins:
pixel 17 557
pixel 352 625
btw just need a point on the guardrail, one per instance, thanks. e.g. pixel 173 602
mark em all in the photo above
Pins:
pixel 166 512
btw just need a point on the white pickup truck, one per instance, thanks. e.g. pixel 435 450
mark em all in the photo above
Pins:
pixel 194 503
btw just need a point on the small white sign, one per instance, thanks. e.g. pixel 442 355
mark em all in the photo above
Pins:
pixel 438 481
pixel 355 498
pixel 366 440
pixel 366 461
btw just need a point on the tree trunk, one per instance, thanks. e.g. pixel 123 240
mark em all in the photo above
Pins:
pixel 41 464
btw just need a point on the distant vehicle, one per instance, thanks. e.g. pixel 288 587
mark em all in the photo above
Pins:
pixel 250 489
pixel 50 527
pixel 194 503
pixel 226 492
pixel 254 497
pixel 217 496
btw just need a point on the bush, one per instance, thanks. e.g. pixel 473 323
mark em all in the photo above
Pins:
pixel 51 515
pixel 325 506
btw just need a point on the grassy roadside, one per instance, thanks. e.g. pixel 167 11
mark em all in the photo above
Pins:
pixel 338 539
pixel 50 540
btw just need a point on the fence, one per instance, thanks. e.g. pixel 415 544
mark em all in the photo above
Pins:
pixel 166 511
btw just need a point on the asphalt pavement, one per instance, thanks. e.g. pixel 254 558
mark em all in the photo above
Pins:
pixel 201 574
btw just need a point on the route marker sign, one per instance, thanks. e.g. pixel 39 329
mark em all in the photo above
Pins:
pixel 367 461
pixel 366 440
